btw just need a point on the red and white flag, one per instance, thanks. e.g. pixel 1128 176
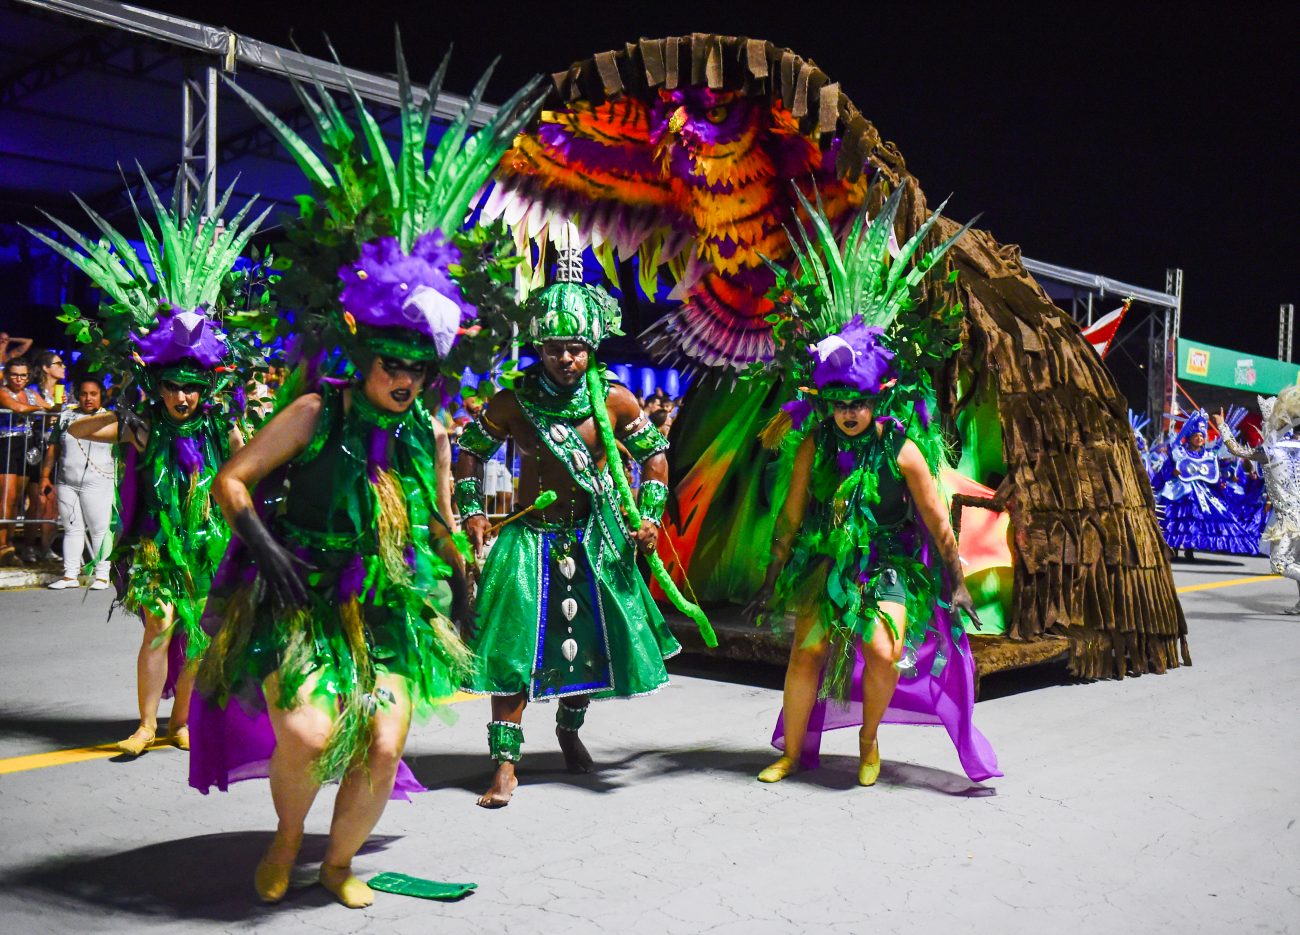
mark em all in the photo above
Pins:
pixel 1102 331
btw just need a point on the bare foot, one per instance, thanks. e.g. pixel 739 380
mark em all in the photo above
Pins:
pixel 347 888
pixel 271 878
pixel 504 783
pixel 136 743
pixel 576 757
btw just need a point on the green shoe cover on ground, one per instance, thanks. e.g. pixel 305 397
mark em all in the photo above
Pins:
pixel 404 885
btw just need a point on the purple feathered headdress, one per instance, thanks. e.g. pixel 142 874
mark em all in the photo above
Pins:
pixel 181 336
pixel 387 288
pixel 854 359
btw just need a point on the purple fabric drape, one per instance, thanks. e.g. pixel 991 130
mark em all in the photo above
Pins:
pixel 377 457
pixel 175 660
pixel 923 698
pixel 188 455
pixel 230 745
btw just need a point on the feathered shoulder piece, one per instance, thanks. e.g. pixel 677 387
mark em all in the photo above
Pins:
pixel 852 319
pixel 165 310
pixel 380 258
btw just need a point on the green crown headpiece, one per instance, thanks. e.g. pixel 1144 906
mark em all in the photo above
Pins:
pixel 572 310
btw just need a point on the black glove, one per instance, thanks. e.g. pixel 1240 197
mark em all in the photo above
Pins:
pixel 277 567
pixel 132 427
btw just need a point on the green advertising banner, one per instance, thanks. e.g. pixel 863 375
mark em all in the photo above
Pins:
pixel 1218 366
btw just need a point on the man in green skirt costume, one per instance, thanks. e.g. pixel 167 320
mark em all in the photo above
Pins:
pixel 563 612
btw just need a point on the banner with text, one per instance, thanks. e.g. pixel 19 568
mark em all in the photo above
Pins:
pixel 1219 366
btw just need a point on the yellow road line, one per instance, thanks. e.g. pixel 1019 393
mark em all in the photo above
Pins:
pixel 20 764
pixel 1231 582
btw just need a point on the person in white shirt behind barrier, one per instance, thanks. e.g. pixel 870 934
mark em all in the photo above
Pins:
pixel 87 483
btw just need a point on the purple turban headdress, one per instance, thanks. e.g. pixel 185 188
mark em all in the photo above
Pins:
pixel 853 362
pixel 388 289
pixel 182 336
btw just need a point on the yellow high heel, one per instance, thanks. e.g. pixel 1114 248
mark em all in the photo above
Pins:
pixel 782 768
pixel 869 768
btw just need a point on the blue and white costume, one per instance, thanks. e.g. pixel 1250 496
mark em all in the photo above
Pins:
pixel 1199 514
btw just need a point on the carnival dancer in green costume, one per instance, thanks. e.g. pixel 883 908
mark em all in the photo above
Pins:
pixel 563 612
pixel 178 417
pixel 333 616
pixel 863 555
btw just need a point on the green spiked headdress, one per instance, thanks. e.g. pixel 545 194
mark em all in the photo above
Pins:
pixel 160 315
pixel 851 318
pixel 381 262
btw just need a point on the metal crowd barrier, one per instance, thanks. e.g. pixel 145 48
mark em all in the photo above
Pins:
pixel 24 438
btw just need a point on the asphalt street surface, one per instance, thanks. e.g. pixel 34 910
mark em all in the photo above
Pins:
pixel 1162 803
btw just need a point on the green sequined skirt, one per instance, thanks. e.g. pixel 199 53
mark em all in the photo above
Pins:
pixel 565 612
pixel 354 629
pixel 154 583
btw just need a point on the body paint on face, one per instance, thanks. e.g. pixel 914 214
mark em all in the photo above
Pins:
pixel 393 384
pixel 853 417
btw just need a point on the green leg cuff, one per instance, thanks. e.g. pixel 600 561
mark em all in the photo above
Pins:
pixel 504 740
pixel 570 717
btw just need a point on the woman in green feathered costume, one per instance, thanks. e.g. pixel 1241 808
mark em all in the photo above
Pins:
pixel 178 420
pixel 332 618
pixel 852 553
pixel 333 614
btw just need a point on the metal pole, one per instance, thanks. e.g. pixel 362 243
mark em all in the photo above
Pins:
pixel 210 144
pixel 198 176
pixel 1089 309
pixel 187 120
pixel 1155 375
pixel 1285 331
pixel 1174 287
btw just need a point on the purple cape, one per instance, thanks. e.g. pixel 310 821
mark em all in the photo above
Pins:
pixel 947 698
pixel 229 745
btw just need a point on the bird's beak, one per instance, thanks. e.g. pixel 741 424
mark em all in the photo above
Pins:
pixel 677 120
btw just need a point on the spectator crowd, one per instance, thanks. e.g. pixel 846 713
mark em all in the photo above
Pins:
pixel 52 481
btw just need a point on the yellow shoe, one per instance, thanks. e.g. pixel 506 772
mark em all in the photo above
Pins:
pixel 869 768
pixel 271 880
pixel 347 888
pixel 136 743
pixel 782 768
pixel 179 738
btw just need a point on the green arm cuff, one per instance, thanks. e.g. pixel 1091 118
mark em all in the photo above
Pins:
pixel 478 442
pixel 645 443
pixel 654 497
pixel 468 495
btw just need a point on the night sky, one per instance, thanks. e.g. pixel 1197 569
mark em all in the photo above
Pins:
pixel 1116 139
